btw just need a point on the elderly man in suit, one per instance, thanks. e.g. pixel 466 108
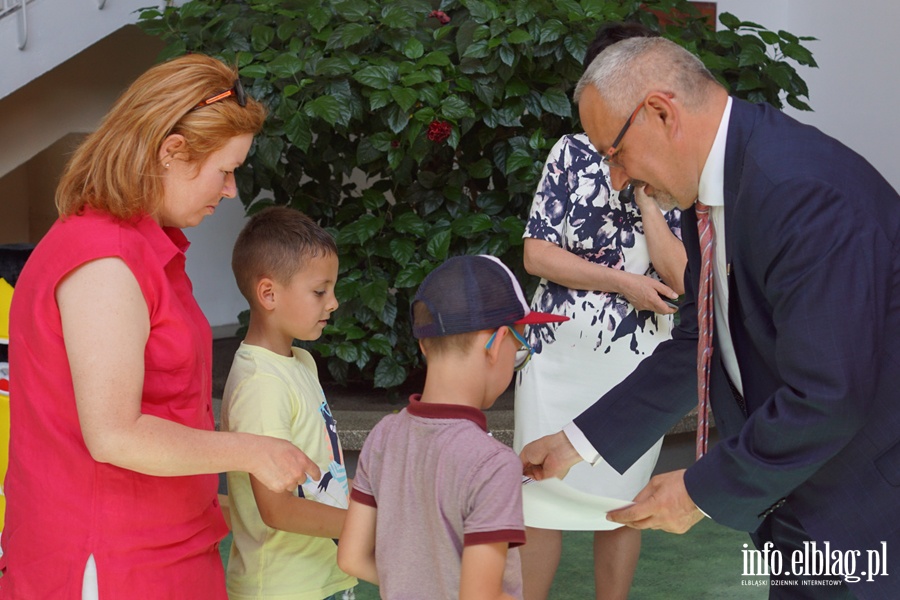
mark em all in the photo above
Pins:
pixel 804 376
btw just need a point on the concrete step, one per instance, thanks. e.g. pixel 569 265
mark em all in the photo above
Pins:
pixel 354 425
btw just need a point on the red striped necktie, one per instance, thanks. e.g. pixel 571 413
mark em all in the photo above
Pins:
pixel 705 322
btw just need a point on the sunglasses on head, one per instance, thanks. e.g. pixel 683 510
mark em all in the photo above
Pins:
pixel 237 90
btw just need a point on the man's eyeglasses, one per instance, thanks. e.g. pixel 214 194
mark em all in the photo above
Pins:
pixel 523 354
pixel 237 91
pixel 611 151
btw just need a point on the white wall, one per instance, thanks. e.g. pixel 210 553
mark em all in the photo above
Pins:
pixel 853 91
pixel 209 263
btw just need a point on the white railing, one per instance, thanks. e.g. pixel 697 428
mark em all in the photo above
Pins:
pixel 8 6
pixel 17 6
pixel 48 37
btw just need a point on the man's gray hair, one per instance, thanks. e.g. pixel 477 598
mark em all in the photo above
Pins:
pixel 628 70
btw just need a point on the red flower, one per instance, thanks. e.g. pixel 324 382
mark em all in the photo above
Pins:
pixel 439 131
pixel 440 16
pixel 395 144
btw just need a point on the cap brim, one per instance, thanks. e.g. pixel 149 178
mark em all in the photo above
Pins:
pixel 535 317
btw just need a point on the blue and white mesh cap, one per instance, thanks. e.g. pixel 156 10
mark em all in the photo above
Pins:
pixel 472 293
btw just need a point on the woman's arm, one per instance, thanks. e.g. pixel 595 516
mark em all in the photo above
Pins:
pixel 106 326
pixel 356 547
pixel 667 253
pixel 546 259
pixel 286 512
pixel 481 574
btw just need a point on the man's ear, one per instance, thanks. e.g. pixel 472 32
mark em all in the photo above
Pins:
pixel 171 146
pixel 663 110
pixel 265 293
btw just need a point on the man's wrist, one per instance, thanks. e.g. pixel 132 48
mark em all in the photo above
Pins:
pixel 581 444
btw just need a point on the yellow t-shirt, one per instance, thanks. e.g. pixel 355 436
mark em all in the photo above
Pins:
pixel 280 396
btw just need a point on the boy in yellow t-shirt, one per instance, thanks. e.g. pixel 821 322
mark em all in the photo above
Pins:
pixel 286 267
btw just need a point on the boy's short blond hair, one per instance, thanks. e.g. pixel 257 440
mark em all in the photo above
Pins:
pixel 276 242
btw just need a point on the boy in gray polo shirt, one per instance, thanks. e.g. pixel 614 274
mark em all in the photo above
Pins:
pixel 436 506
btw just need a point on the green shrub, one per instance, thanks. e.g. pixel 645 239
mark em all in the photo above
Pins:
pixel 417 130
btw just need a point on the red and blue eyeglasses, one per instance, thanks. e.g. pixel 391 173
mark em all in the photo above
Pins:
pixel 523 354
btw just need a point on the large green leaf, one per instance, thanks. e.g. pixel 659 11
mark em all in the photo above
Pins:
pixel 410 276
pixel 454 108
pixel 439 244
pixel 318 17
pixel 326 108
pixel 520 158
pixel 261 36
pixel 347 351
pixel 398 16
pixel 389 373
pixel 298 131
pixel 374 294
pixel 556 102
pixel 352 10
pixel 402 250
pixel 404 97
pixel 380 344
pixel 519 36
pixel 410 223
pixel 413 48
pixel 378 77
pixel 285 66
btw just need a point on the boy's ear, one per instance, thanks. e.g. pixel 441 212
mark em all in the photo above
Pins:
pixel 265 293
pixel 494 351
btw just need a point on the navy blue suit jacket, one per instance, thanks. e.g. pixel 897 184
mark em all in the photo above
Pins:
pixel 813 254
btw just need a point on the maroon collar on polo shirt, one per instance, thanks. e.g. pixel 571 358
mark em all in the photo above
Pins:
pixel 417 408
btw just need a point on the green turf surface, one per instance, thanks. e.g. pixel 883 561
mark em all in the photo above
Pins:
pixel 705 563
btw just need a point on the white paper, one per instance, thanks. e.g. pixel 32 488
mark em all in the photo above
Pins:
pixel 560 506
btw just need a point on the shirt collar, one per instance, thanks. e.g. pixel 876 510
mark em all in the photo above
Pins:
pixel 712 178
pixel 167 242
pixel 426 410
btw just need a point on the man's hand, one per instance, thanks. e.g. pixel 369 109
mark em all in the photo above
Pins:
pixel 663 504
pixel 549 456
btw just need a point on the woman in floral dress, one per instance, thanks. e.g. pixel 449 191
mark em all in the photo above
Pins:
pixel 604 260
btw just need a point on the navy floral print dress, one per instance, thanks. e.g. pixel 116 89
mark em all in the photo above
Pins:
pixel 577 361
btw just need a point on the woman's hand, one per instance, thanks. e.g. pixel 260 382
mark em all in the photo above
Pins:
pixel 279 465
pixel 644 293
pixel 666 251
pixel 644 202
